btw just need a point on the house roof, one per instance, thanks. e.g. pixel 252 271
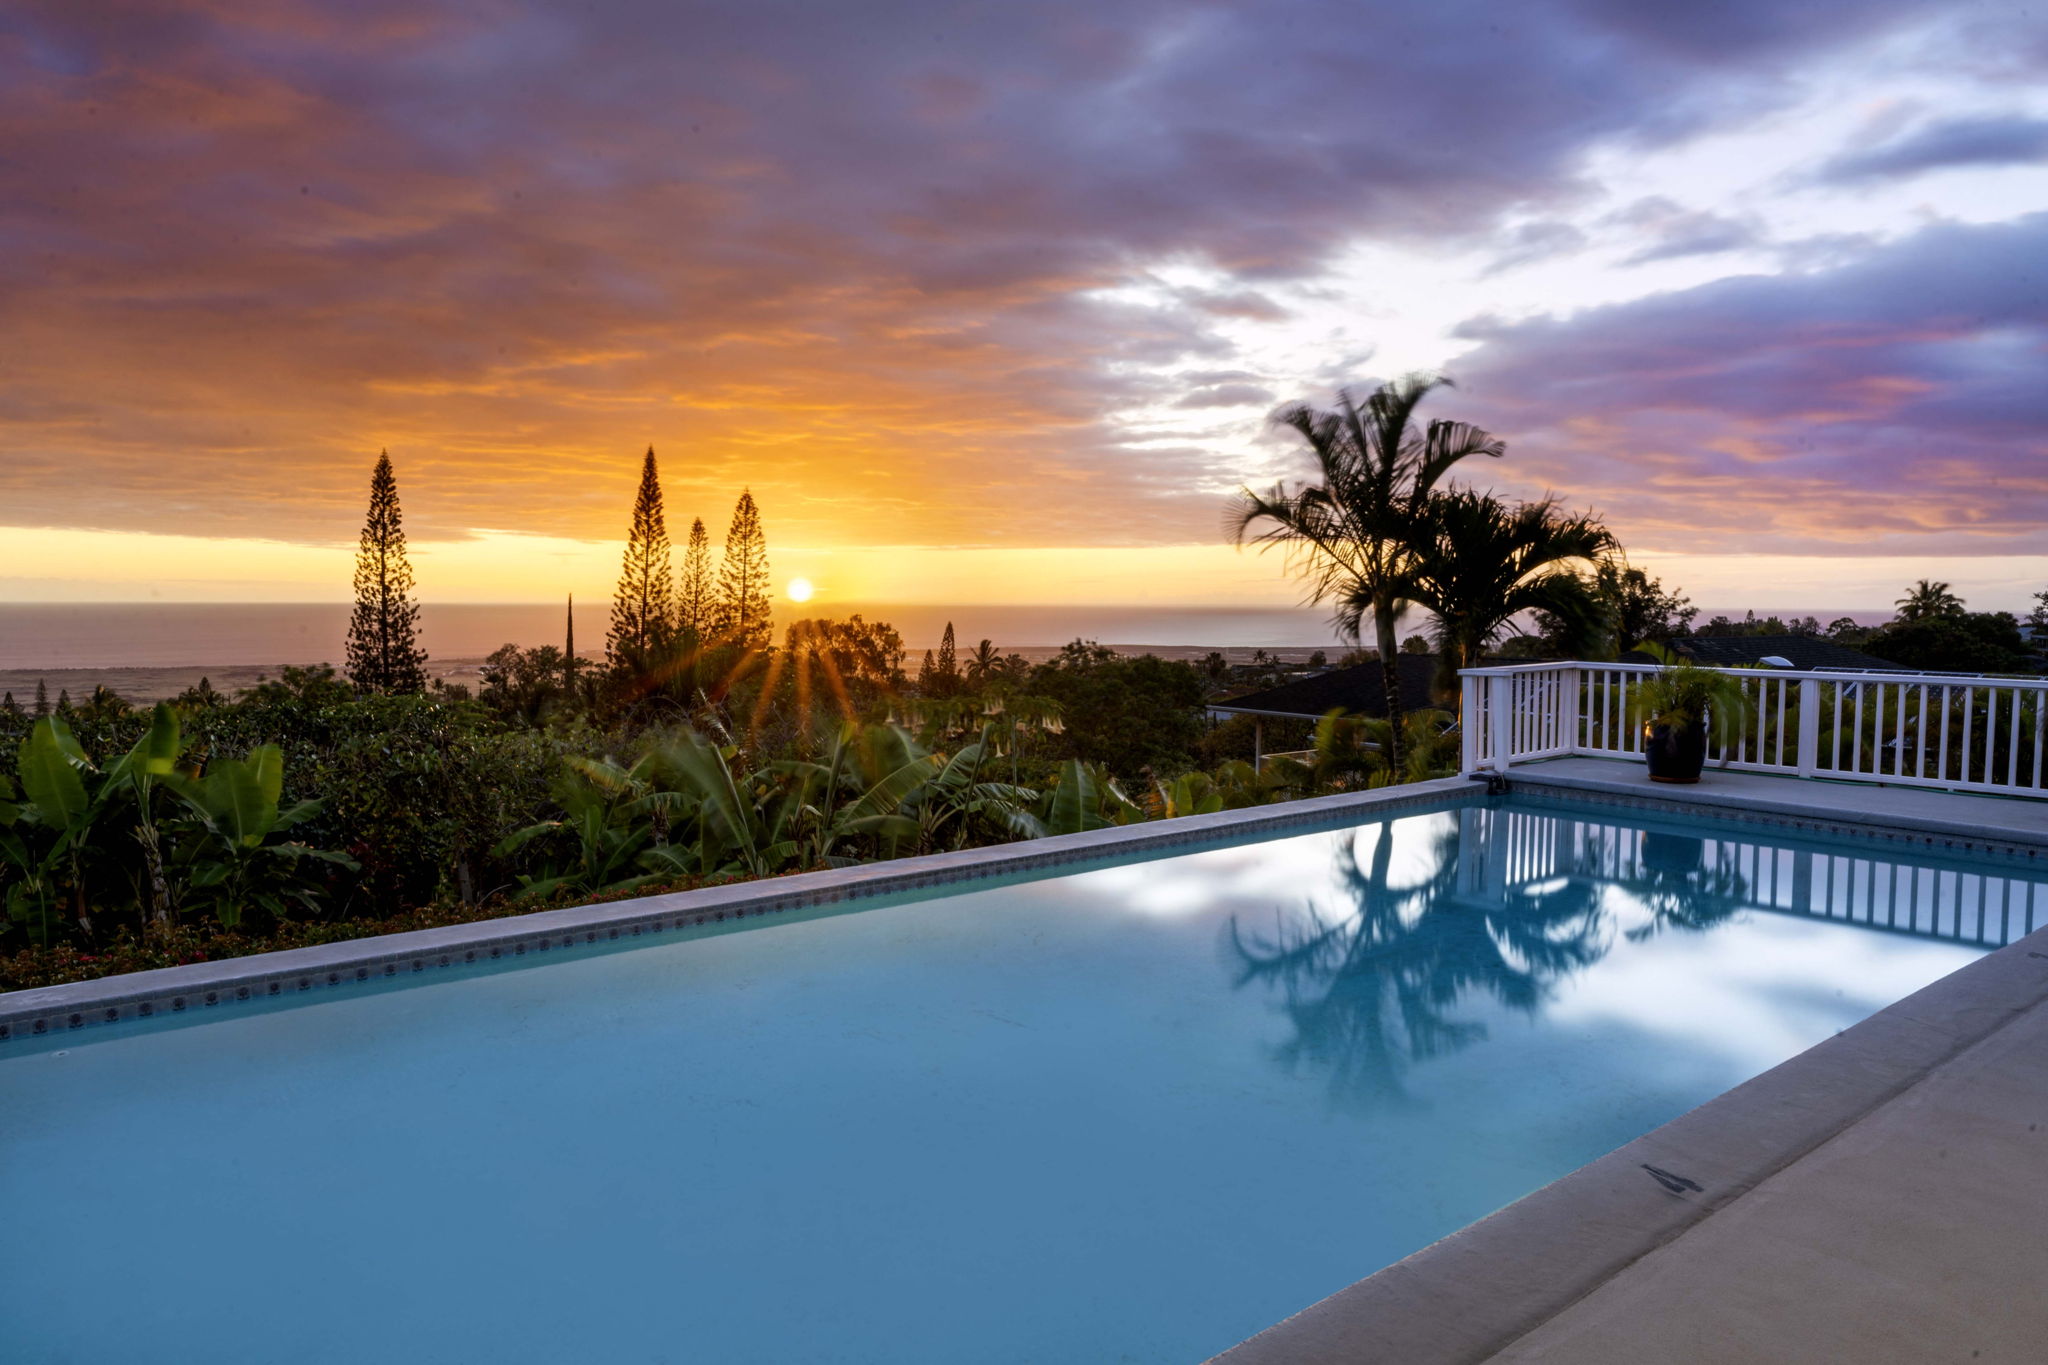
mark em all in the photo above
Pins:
pixel 1806 652
pixel 1359 690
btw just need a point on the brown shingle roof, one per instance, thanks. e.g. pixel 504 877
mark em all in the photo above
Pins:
pixel 1359 691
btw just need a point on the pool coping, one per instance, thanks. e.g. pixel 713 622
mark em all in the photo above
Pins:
pixel 43 1010
pixel 1472 1294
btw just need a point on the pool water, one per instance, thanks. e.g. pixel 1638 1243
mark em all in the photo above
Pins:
pixel 1131 1114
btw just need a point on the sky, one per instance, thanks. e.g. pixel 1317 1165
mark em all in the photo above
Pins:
pixel 993 303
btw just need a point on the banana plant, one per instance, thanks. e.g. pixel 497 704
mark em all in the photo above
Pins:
pixel 790 813
pixel 747 822
pixel 617 819
pixel 136 776
pixel 45 829
pixel 233 852
pixel 1189 794
pixel 1084 796
pixel 958 797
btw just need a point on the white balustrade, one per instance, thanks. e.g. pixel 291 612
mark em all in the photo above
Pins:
pixel 1955 732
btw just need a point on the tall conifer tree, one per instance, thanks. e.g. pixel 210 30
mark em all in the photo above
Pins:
pixel 948 668
pixel 569 649
pixel 697 594
pixel 642 604
pixel 743 611
pixel 384 652
pixel 42 699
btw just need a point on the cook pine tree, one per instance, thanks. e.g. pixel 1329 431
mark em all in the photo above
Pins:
pixel 697 592
pixel 946 672
pixel 743 611
pixel 643 602
pixel 384 653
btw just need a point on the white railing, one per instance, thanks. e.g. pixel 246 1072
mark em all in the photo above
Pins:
pixel 1950 731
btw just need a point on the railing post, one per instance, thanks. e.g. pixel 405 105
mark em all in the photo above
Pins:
pixel 1571 680
pixel 1809 726
pixel 1499 733
pixel 1468 723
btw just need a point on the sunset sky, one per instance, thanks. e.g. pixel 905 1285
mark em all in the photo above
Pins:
pixel 991 302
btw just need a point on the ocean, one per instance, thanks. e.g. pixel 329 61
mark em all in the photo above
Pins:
pixel 150 650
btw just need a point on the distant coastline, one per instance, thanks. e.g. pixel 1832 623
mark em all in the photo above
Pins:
pixel 147 651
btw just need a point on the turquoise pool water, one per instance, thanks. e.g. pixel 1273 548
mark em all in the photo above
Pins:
pixel 1132 1114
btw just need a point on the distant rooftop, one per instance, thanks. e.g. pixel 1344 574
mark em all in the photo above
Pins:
pixel 1804 651
pixel 1360 691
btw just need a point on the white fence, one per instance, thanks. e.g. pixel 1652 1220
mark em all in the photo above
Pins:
pixel 1908 729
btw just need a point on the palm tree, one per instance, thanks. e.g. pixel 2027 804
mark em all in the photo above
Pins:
pixel 1482 562
pixel 1927 600
pixel 983 663
pixel 1354 531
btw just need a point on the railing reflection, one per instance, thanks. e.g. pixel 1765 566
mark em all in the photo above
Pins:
pixel 1503 903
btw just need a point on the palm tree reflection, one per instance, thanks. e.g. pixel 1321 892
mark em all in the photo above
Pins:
pixel 1375 988
pixel 1681 888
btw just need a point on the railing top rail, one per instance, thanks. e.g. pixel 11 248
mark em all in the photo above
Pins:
pixel 1751 671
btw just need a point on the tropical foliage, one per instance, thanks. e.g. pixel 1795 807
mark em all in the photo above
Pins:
pixel 304 808
pixel 1356 530
pixel 150 838
pixel 1480 563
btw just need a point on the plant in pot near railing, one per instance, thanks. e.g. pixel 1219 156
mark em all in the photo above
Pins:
pixel 1680 708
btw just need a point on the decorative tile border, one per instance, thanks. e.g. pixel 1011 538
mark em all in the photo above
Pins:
pixel 202 986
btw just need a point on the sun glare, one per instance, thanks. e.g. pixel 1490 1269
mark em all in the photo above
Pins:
pixel 800 590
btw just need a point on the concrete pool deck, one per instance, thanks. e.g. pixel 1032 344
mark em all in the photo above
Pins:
pixel 1880 1197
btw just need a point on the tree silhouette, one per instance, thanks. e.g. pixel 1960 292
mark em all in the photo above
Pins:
pixel 1354 533
pixel 641 603
pixel 569 649
pixel 1927 600
pixel 696 595
pixel 1481 562
pixel 743 611
pixel 947 668
pixel 42 699
pixel 384 652
pixel 985 663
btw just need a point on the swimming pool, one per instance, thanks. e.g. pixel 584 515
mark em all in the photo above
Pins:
pixel 1135 1113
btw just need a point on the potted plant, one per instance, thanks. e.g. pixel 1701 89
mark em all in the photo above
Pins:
pixel 1678 707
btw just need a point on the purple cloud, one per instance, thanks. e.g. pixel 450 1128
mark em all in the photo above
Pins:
pixel 2010 140
pixel 1892 403
pixel 855 255
pixel 1677 232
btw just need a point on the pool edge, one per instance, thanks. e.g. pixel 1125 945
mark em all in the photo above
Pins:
pixel 196 987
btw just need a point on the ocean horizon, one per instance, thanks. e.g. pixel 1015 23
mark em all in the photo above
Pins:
pixel 102 635
pixel 97 635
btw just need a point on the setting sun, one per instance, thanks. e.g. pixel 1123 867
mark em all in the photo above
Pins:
pixel 800 590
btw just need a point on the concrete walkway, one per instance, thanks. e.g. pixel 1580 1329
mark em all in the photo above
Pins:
pixel 1882 1197
pixel 1919 1233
